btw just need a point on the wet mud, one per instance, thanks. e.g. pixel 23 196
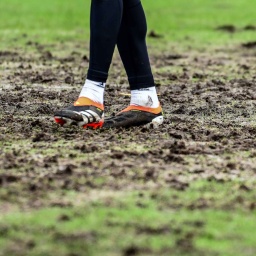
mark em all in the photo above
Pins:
pixel 209 102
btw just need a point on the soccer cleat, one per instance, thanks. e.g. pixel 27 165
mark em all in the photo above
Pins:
pixel 136 116
pixel 84 113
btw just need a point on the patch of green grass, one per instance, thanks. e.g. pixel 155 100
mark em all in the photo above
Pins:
pixel 191 23
pixel 43 21
pixel 154 223
pixel 194 22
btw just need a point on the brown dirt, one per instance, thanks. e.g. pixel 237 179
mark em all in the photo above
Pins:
pixel 209 100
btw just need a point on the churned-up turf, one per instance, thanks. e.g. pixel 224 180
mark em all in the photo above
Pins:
pixel 187 188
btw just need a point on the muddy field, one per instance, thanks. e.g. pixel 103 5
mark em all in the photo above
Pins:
pixel 209 102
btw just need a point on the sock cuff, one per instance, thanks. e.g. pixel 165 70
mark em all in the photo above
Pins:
pixel 97 76
pixel 89 83
pixel 140 82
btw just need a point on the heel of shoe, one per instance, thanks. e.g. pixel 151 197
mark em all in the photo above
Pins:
pixel 155 123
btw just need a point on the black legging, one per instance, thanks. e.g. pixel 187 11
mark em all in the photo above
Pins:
pixel 120 22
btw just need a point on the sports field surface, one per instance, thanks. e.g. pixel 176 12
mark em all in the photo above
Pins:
pixel 187 188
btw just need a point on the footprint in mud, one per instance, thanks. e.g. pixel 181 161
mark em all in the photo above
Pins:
pixel 227 28
pixel 249 45
pixel 249 27
pixel 153 34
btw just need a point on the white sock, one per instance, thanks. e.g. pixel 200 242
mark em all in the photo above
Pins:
pixel 145 97
pixel 93 90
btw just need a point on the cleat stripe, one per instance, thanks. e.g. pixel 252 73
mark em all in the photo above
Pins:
pixel 95 115
pixel 86 119
pixel 89 116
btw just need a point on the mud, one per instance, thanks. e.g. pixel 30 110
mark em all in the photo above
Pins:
pixel 209 101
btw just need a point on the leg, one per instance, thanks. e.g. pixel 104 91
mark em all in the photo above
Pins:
pixel 105 21
pixel 87 111
pixel 132 45
pixel 106 18
pixel 144 106
pixel 134 54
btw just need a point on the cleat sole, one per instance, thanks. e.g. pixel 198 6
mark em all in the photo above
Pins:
pixel 94 126
pixel 66 121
